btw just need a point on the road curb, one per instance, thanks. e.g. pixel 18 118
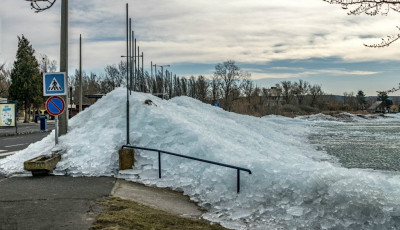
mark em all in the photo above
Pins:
pixel 23 133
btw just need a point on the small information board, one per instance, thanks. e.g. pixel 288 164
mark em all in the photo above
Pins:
pixel 55 105
pixel 54 84
pixel 7 115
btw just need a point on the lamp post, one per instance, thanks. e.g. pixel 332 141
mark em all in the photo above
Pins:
pixel 155 76
pixel 127 74
pixel 80 73
pixel 45 65
pixel 70 101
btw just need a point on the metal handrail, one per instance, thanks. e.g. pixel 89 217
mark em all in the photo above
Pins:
pixel 191 158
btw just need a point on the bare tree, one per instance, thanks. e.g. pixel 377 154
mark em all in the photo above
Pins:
pixel 184 87
pixel 229 74
pixel 215 88
pixel 114 77
pixel 202 88
pixel 371 7
pixel 350 100
pixel 287 91
pixel 5 80
pixel 47 65
pixel 316 94
pixel 41 5
pixel 248 88
pixel 300 90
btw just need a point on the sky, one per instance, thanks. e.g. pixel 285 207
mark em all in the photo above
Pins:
pixel 274 41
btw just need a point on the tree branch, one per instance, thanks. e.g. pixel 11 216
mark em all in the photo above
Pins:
pixel 369 7
pixel 38 7
pixel 372 8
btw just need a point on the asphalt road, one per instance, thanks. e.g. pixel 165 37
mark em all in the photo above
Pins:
pixel 25 128
pixel 11 144
pixel 51 202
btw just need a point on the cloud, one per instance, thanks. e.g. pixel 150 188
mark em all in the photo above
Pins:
pixel 201 31
pixel 306 74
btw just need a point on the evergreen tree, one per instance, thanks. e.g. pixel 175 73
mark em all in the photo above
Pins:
pixel 382 96
pixel 26 80
pixel 361 99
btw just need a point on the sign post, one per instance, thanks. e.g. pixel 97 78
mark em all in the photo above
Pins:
pixel 55 84
pixel 55 105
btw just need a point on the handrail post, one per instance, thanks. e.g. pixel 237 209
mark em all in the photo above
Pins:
pixel 238 169
pixel 238 181
pixel 159 164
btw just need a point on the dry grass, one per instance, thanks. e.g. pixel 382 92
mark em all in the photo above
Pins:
pixel 121 214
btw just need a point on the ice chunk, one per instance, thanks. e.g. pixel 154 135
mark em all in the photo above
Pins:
pixel 292 185
pixel 295 211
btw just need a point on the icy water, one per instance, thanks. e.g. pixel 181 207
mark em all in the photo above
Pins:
pixel 362 143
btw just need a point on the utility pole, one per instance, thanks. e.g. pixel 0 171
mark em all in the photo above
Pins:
pixel 127 75
pixel 138 67
pixel 129 54
pixel 80 73
pixel 142 74
pixel 136 70
pixel 132 60
pixel 155 76
pixel 63 129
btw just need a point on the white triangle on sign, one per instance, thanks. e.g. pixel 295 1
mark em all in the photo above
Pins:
pixel 54 86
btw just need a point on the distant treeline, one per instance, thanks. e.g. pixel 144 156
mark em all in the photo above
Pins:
pixel 229 86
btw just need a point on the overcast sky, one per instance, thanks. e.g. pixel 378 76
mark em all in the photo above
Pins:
pixel 278 40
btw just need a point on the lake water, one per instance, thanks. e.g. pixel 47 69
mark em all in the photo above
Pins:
pixel 360 142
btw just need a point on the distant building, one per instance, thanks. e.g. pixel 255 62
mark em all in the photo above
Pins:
pixel 273 96
pixel 275 92
pixel 3 100
pixel 377 107
pixel 394 109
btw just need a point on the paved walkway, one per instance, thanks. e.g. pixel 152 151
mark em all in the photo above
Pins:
pixel 51 202
pixel 61 202
pixel 157 198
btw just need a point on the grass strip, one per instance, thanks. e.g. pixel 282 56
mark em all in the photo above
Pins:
pixel 119 214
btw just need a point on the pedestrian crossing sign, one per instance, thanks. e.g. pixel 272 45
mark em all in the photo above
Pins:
pixel 54 84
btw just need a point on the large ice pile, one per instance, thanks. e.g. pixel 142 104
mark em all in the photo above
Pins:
pixel 292 185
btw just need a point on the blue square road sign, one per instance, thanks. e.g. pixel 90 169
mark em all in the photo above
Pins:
pixel 54 84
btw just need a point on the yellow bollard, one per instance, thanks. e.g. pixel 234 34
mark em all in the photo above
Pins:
pixel 126 158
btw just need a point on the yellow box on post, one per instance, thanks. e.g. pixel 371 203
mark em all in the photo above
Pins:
pixel 126 158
